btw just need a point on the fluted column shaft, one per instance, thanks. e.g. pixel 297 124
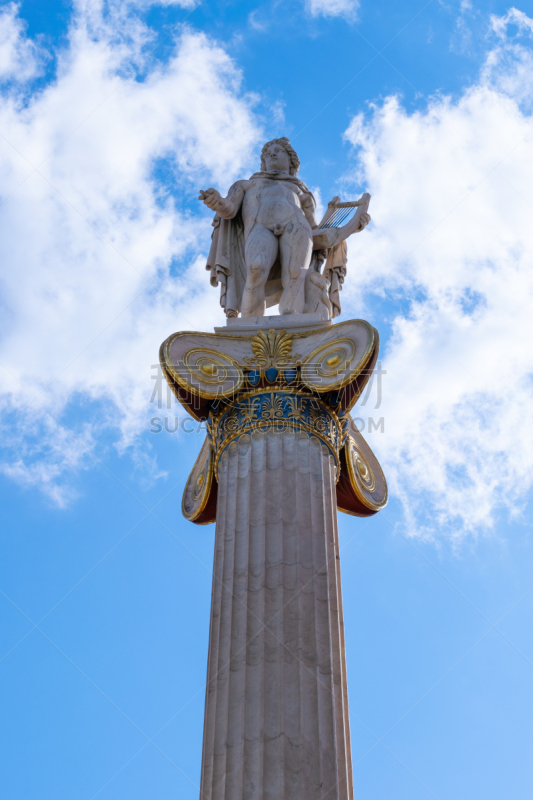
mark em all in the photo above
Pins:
pixel 276 717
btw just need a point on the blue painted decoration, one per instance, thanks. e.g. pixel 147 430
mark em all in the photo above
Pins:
pixel 290 375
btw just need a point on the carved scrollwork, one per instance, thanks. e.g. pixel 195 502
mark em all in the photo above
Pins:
pixel 212 373
pixel 366 478
pixel 327 365
pixel 361 469
pixel 198 486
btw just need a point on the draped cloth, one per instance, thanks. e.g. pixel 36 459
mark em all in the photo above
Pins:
pixel 335 272
pixel 227 266
pixel 226 262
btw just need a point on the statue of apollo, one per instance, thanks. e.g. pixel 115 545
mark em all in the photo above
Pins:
pixel 267 247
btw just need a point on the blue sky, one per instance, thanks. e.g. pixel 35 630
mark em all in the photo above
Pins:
pixel 112 115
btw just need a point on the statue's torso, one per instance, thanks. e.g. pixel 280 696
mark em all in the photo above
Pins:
pixel 270 202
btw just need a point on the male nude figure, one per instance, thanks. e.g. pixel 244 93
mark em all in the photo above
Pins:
pixel 278 213
pixel 278 216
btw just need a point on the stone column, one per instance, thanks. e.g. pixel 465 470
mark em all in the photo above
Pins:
pixel 276 716
pixel 282 454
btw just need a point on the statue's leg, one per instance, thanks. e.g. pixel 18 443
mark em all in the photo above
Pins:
pixel 296 249
pixel 260 253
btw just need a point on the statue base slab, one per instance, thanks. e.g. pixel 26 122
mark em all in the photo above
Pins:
pixel 295 322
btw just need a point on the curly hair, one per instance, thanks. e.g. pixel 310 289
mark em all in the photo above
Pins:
pixel 291 152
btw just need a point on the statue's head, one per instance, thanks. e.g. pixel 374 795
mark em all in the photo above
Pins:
pixel 278 154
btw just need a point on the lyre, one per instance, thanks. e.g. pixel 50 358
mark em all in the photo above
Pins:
pixel 338 213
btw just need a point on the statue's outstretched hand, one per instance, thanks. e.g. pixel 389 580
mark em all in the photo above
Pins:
pixel 211 198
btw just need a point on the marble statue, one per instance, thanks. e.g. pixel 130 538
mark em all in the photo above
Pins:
pixel 267 246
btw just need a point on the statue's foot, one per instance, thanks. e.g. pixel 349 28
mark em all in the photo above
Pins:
pixel 289 311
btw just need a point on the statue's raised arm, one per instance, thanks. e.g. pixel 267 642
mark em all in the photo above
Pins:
pixel 225 207
pixel 267 247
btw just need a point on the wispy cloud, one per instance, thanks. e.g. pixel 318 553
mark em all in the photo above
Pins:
pixel 453 242
pixel 20 58
pixel 333 8
pixel 102 258
pixel 90 235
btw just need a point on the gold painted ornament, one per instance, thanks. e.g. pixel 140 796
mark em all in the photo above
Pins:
pixel 198 489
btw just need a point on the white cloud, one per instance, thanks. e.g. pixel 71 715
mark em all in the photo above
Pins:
pixel 148 3
pixel 462 37
pixel 20 58
pixel 452 239
pixel 88 239
pixel 513 17
pixel 45 452
pixel 100 265
pixel 333 8
pixel 509 66
pixel 258 21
